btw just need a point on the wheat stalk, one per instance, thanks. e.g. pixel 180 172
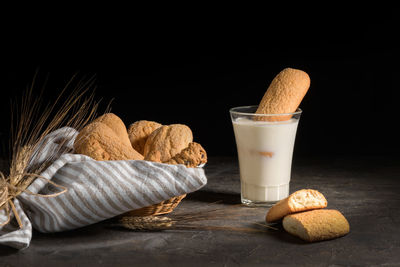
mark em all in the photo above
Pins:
pixel 33 125
pixel 187 221
pixel 160 223
pixel 146 223
pixel 30 124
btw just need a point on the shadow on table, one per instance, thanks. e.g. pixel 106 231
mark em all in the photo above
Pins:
pixel 211 197
pixel 280 234
pixel 92 230
pixel 5 251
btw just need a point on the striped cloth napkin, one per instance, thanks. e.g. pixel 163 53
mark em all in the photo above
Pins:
pixel 97 190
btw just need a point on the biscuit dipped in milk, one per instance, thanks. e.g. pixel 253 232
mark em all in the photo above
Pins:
pixel 265 137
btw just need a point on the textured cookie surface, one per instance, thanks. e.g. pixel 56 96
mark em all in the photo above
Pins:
pixel 167 141
pixel 192 156
pixel 316 225
pixel 139 131
pixel 116 124
pixel 301 200
pixel 284 94
pixel 100 142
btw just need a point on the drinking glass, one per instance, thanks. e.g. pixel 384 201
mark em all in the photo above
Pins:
pixel 265 144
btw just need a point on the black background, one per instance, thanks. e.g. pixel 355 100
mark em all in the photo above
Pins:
pixel 193 72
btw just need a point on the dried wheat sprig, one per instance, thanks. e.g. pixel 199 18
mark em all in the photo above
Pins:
pixel 187 221
pixel 32 127
pixel 146 223
pixel 267 226
pixel 28 138
pixel 218 228
pixel 64 116
pixel 160 223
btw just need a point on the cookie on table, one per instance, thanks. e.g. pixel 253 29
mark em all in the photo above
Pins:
pixel 301 200
pixel 316 225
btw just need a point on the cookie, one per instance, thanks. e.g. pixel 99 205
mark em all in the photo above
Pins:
pixel 316 225
pixel 139 131
pixel 167 141
pixel 284 94
pixel 192 156
pixel 301 200
pixel 117 125
pixel 100 142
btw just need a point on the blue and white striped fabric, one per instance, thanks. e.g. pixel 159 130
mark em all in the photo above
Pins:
pixel 97 190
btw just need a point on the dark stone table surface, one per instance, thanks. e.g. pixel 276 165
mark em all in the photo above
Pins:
pixel 366 190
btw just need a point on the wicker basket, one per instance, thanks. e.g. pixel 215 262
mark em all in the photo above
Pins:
pixel 163 207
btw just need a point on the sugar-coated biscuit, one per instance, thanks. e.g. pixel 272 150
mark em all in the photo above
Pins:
pixel 100 142
pixel 316 225
pixel 284 94
pixel 192 156
pixel 139 131
pixel 167 141
pixel 301 200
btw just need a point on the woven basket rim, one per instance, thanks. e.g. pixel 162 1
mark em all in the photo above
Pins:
pixel 163 207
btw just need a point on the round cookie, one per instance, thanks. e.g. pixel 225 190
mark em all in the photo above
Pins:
pixel 117 125
pixel 167 141
pixel 139 131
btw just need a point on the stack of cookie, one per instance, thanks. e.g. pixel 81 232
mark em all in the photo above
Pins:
pixel 304 216
pixel 107 138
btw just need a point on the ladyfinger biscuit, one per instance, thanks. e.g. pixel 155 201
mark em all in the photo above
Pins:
pixel 100 142
pixel 192 156
pixel 167 141
pixel 284 94
pixel 139 131
pixel 117 125
pixel 302 200
pixel 316 225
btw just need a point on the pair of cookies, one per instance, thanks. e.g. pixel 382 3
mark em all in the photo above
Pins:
pixel 303 216
pixel 171 144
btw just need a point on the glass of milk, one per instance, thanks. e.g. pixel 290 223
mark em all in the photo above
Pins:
pixel 265 145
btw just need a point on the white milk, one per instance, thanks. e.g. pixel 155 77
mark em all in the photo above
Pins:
pixel 265 152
